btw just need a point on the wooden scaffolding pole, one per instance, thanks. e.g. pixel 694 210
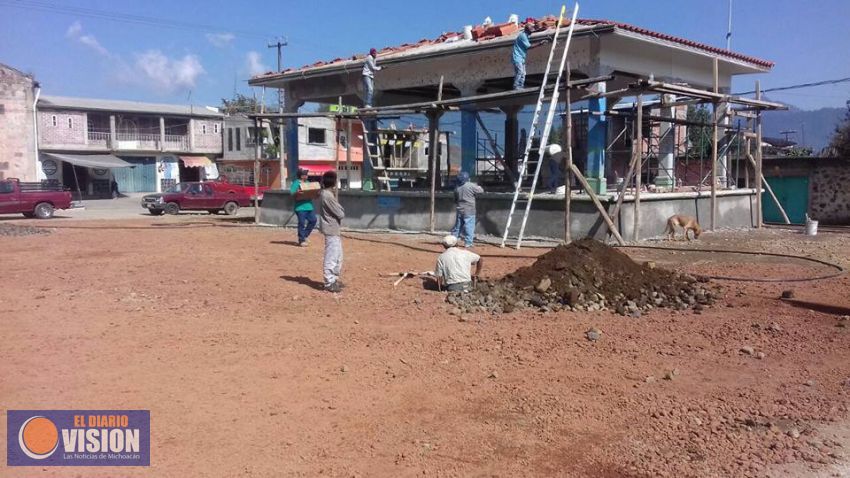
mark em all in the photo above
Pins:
pixel 568 174
pixel 348 154
pixel 759 158
pixel 714 121
pixel 638 170
pixel 433 155
pixel 257 152
pixel 769 191
pixel 597 203
pixel 637 155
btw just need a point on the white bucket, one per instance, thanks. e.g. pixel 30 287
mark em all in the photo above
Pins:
pixel 467 32
pixel 811 227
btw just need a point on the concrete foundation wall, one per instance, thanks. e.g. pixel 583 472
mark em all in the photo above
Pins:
pixel 410 211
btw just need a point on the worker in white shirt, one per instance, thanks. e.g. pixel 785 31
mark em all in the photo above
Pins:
pixel 370 66
pixel 454 267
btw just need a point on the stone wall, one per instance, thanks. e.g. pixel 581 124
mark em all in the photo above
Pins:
pixel 829 193
pixel 17 145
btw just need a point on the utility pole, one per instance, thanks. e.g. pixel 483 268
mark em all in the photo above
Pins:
pixel 729 30
pixel 279 44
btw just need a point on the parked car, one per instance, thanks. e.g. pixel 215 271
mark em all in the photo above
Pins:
pixel 32 199
pixel 196 196
pixel 224 185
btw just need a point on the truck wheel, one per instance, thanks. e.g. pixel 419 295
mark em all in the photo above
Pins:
pixel 156 212
pixel 43 210
pixel 231 208
pixel 172 208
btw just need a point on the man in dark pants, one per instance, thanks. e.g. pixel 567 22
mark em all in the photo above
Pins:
pixel 303 209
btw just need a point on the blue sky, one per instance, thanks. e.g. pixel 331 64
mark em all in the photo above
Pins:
pixel 82 53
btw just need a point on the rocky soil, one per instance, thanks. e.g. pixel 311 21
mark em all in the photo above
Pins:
pixel 15 230
pixel 587 275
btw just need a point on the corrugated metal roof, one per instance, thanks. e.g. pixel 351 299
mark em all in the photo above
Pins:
pixel 65 102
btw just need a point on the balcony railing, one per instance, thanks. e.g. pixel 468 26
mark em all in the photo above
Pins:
pixel 99 138
pixel 137 141
pixel 176 142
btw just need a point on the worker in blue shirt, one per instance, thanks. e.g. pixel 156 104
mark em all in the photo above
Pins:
pixel 521 46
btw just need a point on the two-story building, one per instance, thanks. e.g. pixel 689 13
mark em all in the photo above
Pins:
pixel 89 144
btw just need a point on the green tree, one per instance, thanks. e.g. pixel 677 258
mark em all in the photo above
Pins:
pixel 699 137
pixel 840 144
pixel 240 104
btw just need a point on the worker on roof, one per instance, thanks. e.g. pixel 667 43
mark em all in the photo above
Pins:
pixel 369 68
pixel 521 46
pixel 465 205
pixel 454 267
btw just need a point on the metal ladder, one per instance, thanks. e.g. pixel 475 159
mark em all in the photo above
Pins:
pixel 547 127
pixel 385 179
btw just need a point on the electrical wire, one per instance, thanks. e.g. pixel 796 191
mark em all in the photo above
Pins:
pixel 800 86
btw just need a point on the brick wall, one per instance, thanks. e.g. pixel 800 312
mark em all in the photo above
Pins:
pixel 56 128
pixel 17 147
pixel 208 135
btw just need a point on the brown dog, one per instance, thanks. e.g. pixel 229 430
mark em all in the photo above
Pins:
pixel 687 223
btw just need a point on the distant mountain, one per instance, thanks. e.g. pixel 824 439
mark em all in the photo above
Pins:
pixel 813 128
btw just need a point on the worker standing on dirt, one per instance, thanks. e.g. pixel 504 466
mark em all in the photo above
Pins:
pixel 370 66
pixel 465 205
pixel 303 208
pixel 454 266
pixel 331 215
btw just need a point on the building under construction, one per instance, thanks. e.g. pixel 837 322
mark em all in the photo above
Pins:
pixel 654 129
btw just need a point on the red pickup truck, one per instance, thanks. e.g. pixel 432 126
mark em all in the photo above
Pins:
pixel 32 199
pixel 196 196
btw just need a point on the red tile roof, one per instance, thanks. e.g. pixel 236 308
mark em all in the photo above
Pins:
pixel 481 32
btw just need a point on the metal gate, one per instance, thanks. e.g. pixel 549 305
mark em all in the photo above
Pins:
pixel 141 178
pixel 793 194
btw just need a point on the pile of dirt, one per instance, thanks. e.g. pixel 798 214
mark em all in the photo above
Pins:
pixel 12 230
pixel 587 275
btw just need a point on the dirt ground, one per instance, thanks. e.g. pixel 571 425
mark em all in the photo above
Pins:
pixel 221 330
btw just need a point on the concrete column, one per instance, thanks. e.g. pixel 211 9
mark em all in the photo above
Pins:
pixel 161 134
pixel 512 152
pixel 723 146
pixel 290 139
pixel 666 178
pixel 468 130
pixel 191 135
pixel 112 138
pixel 597 134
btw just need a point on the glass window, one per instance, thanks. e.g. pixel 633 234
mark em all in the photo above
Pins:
pixel 215 128
pixel 230 139
pixel 316 135
pixel 238 139
pixel 54 120
pixel 6 187
pixel 203 129
pixel 70 123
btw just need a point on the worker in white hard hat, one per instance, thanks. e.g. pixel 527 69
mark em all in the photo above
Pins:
pixel 454 267
pixel 555 158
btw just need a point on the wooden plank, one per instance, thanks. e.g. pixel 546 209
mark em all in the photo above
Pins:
pixel 714 121
pixel 770 191
pixel 638 170
pixel 597 203
pixel 759 173
pixel 637 155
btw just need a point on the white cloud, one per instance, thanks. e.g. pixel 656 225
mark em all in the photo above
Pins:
pixel 167 74
pixel 220 40
pixel 75 32
pixel 255 64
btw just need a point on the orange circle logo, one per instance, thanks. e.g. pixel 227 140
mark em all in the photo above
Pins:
pixel 38 437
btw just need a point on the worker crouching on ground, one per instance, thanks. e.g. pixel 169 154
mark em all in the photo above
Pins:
pixel 370 66
pixel 465 205
pixel 331 214
pixel 303 208
pixel 556 160
pixel 454 267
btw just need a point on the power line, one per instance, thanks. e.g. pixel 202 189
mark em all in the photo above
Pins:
pixel 125 17
pixel 800 86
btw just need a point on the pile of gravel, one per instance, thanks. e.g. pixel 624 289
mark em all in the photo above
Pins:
pixel 587 275
pixel 13 230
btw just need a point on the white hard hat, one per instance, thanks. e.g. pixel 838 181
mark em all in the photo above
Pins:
pixel 449 241
pixel 553 149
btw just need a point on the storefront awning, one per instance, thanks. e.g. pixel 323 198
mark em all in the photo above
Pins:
pixel 196 161
pixel 317 168
pixel 99 161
